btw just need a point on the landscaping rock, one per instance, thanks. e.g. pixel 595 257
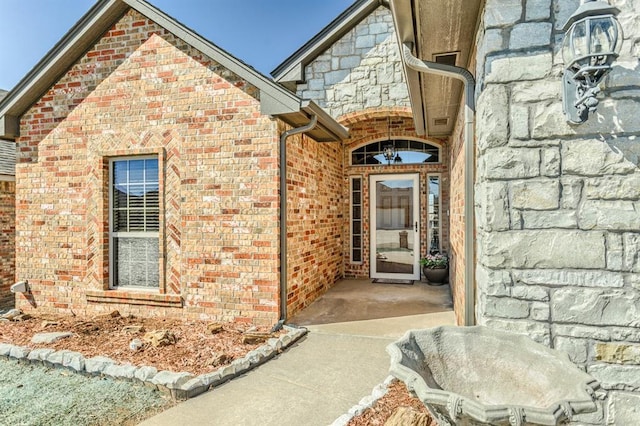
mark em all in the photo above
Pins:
pixel 136 344
pixel 160 338
pixel 86 327
pixel 227 373
pixel 133 329
pixel 73 360
pixel 193 387
pixel 286 339
pixel 241 364
pixel 50 337
pixel 218 359
pixel 215 328
pixel 22 317
pixel 211 379
pixel 170 379
pixel 39 354
pixel 19 352
pixel 97 364
pixel 251 338
pixel 121 371
pixel 276 344
pixel 254 357
pixel 407 416
pixel 56 358
pixel 146 373
pixel 5 349
pixel 11 314
pixel 267 352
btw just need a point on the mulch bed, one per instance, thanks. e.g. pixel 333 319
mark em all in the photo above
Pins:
pixel 397 396
pixel 195 348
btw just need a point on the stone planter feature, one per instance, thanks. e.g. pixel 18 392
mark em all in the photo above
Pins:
pixel 435 276
pixel 479 376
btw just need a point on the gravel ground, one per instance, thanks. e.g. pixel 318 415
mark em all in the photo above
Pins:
pixel 36 395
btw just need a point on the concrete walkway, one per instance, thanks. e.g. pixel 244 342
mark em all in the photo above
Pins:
pixel 312 383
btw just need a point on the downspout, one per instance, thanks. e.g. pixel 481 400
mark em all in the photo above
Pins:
pixel 469 176
pixel 283 215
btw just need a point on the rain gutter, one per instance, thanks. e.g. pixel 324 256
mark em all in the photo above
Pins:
pixel 283 215
pixel 466 77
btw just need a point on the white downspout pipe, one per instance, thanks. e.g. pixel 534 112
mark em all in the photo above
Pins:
pixel 283 215
pixel 469 173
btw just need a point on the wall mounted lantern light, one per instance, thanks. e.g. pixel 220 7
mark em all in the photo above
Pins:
pixel 592 41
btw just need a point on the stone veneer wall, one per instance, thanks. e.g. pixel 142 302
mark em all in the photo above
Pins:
pixel 7 239
pixel 370 126
pixel 360 71
pixel 559 223
pixel 141 90
pixel 315 215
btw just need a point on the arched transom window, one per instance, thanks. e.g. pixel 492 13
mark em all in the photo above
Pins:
pixel 396 151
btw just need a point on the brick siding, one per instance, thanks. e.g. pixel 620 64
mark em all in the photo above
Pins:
pixel 141 90
pixel 457 219
pixel 315 215
pixel 7 241
pixel 457 161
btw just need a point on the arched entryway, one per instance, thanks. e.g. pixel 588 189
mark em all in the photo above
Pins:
pixel 397 197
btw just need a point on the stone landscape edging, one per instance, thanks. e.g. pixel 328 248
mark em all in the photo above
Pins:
pixel 180 386
pixel 365 403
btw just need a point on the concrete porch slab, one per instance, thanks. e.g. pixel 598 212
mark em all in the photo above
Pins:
pixel 387 328
pixel 362 300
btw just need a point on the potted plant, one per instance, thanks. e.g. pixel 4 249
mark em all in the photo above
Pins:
pixel 435 268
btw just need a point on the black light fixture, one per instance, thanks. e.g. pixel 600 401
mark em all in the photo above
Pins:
pixel 592 42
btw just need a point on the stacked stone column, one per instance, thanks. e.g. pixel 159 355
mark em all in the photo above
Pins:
pixel 558 205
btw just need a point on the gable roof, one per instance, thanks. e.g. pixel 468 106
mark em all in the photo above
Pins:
pixel 292 69
pixel 274 99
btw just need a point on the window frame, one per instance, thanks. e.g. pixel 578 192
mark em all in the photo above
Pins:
pixel 392 141
pixel 351 220
pixel 438 214
pixel 134 234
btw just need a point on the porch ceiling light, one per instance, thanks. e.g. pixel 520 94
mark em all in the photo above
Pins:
pixel 389 153
pixel 592 41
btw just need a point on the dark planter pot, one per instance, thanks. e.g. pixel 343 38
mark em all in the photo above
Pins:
pixel 436 276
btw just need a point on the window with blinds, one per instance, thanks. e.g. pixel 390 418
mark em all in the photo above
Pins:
pixel 135 222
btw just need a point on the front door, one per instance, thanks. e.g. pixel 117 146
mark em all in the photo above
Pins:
pixel 395 226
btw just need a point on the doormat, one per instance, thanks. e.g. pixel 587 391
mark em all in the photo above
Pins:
pixel 391 281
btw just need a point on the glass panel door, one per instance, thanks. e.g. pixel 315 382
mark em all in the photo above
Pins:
pixel 395 220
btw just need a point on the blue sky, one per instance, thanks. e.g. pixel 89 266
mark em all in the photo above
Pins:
pixel 260 32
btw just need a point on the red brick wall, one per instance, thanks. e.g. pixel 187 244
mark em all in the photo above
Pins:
pixel 457 206
pixel 314 184
pixel 141 90
pixel 457 219
pixel 374 125
pixel 7 241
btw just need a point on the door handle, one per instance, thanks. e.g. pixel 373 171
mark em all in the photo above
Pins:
pixel 416 226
